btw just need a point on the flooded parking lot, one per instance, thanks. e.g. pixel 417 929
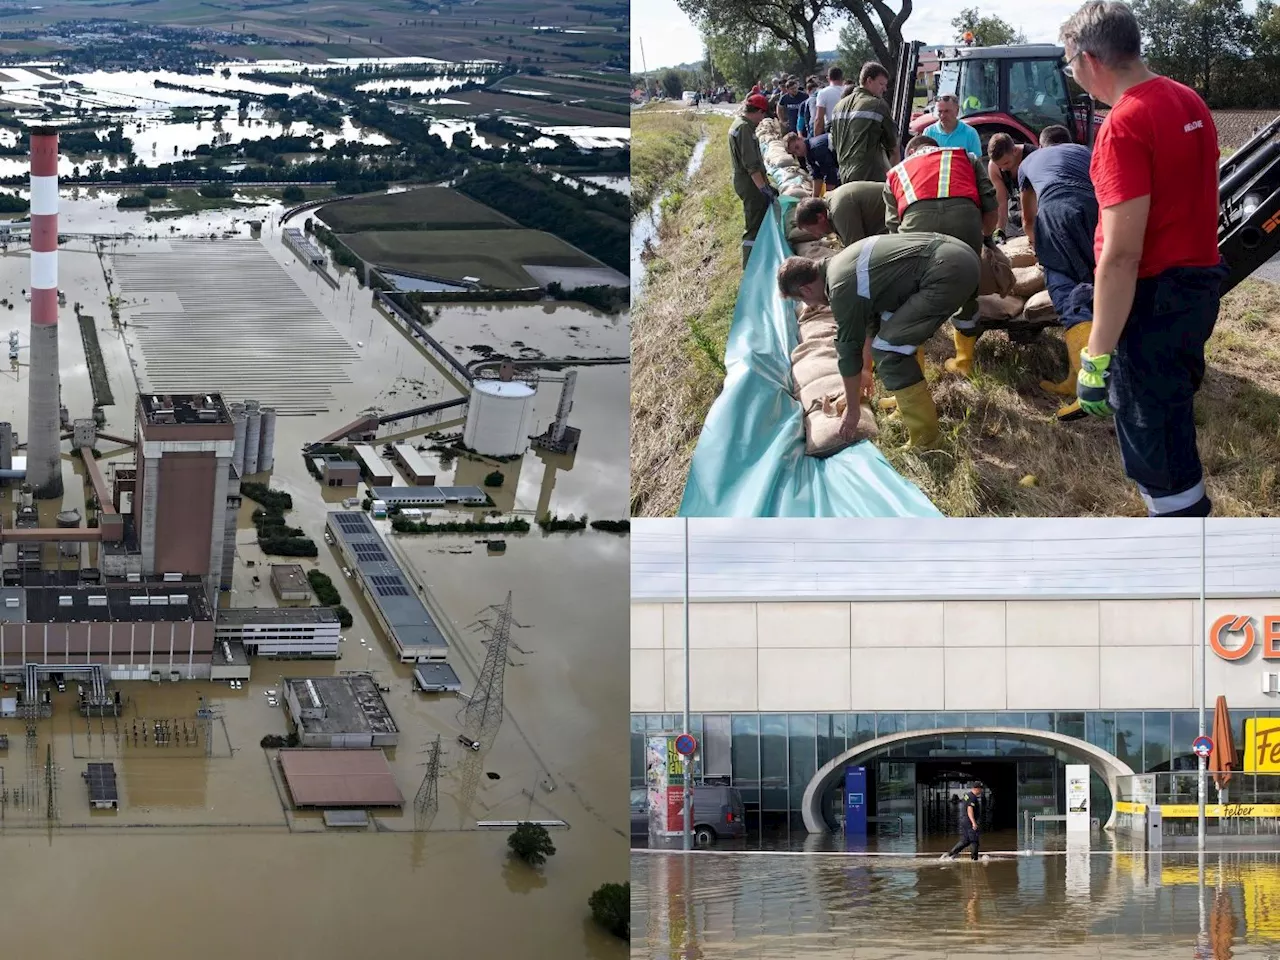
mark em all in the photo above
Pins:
pixel 1051 904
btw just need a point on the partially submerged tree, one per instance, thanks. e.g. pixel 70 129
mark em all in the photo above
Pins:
pixel 531 843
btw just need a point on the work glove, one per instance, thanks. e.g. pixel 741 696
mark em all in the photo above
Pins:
pixel 998 236
pixel 770 194
pixel 1091 384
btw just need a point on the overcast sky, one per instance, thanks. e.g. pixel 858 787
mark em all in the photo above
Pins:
pixel 950 558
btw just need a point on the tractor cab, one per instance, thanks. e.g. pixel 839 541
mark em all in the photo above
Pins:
pixel 1019 89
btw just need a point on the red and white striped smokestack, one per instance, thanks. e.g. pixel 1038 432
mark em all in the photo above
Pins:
pixel 44 445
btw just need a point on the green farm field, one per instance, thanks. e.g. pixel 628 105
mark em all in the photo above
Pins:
pixel 428 208
pixel 495 256
pixel 534 109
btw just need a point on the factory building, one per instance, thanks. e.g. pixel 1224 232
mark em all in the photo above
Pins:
pixel 255 437
pixel 286 633
pixel 289 581
pixel 135 631
pixel 415 468
pixel 430 496
pixel 185 445
pixel 339 712
pixel 396 606
pixel 336 472
pixel 499 418
pixel 376 472
pixel 303 246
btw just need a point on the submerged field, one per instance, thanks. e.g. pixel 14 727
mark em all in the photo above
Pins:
pixel 469 103
pixel 437 208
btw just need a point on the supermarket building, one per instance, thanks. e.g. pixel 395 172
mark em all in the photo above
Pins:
pixel 929 694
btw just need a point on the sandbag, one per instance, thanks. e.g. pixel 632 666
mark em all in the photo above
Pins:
pixel 814 249
pixel 1019 252
pixel 1028 281
pixel 828 385
pixel 822 429
pixel 993 307
pixel 823 328
pixel 807 313
pixel 812 360
pixel 997 273
pixel 797 190
pixel 775 155
pixel 769 129
pixel 1039 307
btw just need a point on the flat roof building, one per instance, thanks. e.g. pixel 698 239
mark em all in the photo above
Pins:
pixel 286 633
pixel 413 465
pixel 376 472
pixel 103 793
pixel 429 496
pixel 336 472
pixel 436 678
pixel 289 581
pixel 398 608
pixel 339 778
pixel 344 711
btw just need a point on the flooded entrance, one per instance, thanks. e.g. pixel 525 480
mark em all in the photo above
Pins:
pixel 1049 903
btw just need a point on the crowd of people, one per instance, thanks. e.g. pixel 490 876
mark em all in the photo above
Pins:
pixel 1126 232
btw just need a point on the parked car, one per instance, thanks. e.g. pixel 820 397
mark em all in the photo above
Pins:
pixel 717 814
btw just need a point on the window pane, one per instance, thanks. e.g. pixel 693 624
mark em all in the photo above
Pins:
pixel 1011 719
pixel 637 723
pixel 1186 727
pixel 773 761
pixel 800 755
pixel 714 746
pixel 978 87
pixel 950 720
pixel 980 719
pixel 1040 721
pixel 637 759
pixel 830 736
pixel 653 723
pixel 695 726
pixel 1129 739
pixel 1156 743
pixel 1071 725
pixel 1101 729
pixel 746 755
pixel 862 727
pixel 887 723
pixel 918 721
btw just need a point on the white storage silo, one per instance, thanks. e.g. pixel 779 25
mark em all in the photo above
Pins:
pixel 241 424
pixel 252 437
pixel 499 417
pixel 267 445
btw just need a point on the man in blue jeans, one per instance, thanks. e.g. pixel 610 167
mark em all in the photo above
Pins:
pixel 1159 274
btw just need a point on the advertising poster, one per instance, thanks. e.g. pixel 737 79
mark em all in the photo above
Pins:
pixel 657 781
pixel 1077 798
pixel 1144 789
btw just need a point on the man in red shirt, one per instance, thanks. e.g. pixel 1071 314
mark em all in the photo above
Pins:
pixel 1156 287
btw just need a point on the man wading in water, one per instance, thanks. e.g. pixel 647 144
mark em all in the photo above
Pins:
pixel 968 824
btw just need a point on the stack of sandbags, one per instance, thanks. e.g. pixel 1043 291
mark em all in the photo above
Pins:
pixel 770 128
pixel 1019 252
pixel 775 155
pixel 819 388
pixel 784 170
pixel 813 249
pixel 1027 281
pixel 996 307
pixel 1029 286
pixel 1039 307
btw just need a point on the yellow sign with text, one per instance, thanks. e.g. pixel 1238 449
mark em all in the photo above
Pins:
pixel 1221 810
pixel 1262 745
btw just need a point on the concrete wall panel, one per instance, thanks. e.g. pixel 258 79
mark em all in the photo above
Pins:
pixel 804 680
pixel 980 623
pixel 1145 677
pixel 711 625
pixel 722 679
pixel 1134 623
pixel 975 678
pixel 1066 623
pixel 919 682
pixel 647 680
pixel 646 626
pixel 1052 679
pixel 896 624
pixel 803 625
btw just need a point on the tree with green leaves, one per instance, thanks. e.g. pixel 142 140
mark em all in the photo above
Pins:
pixel 793 23
pixel 671 83
pixel 611 907
pixel 989 31
pixel 854 48
pixel 531 843
pixel 882 26
pixel 741 54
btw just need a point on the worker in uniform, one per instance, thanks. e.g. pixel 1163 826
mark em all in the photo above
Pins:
pixel 1159 274
pixel 863 134
pixel 970 833
pixel 1005 157
pixel 814 154
pixel 889 295
pixel 853 212
pixel 944 190
pixel 750 182
pixel 1060 216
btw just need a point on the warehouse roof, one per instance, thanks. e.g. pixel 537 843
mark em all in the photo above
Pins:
pixel 246 616
pixel 425 496
pixel 107 603
pixel 339 778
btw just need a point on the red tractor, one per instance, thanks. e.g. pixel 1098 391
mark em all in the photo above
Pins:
pixel 1018 89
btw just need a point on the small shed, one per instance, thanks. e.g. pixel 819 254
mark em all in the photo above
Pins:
pixel 101 778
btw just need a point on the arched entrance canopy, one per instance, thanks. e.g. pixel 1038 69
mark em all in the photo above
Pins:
pixel 1104 764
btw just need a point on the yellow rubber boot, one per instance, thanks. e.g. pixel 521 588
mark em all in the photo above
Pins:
pixel 1077 339
pixel 915 406
pixel 889 404
pixel 962 363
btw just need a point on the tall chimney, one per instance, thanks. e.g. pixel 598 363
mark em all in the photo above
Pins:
pixel 44 446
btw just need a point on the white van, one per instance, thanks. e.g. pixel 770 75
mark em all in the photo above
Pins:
pixel 689 97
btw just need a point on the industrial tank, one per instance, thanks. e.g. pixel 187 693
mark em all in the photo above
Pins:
pixel 252 437
pixel 241 424
pixel 499 417
pixel 266 448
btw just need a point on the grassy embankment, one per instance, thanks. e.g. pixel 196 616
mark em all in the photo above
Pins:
pixel 999 427
pixel 680 324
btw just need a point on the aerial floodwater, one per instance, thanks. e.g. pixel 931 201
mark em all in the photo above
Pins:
pixel 1046 904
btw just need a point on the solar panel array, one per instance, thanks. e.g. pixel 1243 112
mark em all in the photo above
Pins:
pixel 351 522
pixel 389 586
pixel 369 551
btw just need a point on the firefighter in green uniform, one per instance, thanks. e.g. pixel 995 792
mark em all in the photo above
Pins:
pixel 889 294
pixel 863 135
pixel 852 212
pixel 749 180
pixel 944 190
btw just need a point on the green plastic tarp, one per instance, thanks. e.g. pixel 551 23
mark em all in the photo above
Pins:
pixel 750 459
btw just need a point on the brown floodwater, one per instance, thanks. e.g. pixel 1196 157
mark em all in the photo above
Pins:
pixel 204 838
pixel 1063 903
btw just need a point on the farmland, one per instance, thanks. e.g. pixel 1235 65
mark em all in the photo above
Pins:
pixel 536 109
pixel 429 208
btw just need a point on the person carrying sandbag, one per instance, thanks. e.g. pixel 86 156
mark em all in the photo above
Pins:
pixel 889 295
pixel 1060 215
pixel 944 190
pixel 750 182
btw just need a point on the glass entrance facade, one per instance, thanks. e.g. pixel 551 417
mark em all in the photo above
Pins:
pixel 771 757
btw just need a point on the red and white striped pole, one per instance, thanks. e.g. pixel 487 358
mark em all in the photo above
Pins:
pixel 44 444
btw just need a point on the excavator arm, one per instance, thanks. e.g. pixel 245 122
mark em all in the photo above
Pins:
pixel 1249 205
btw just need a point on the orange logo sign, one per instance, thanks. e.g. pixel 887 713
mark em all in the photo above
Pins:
pixel 1232 625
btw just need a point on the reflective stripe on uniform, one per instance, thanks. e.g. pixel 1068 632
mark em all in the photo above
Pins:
pixel 970 324
pixel 933 174
pixel 864 267
pixel 905 349
pixel 904 180
pixel 1175 501
pixel 944 175
pixel 856 115
pixel 886 315
pixel 748 243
